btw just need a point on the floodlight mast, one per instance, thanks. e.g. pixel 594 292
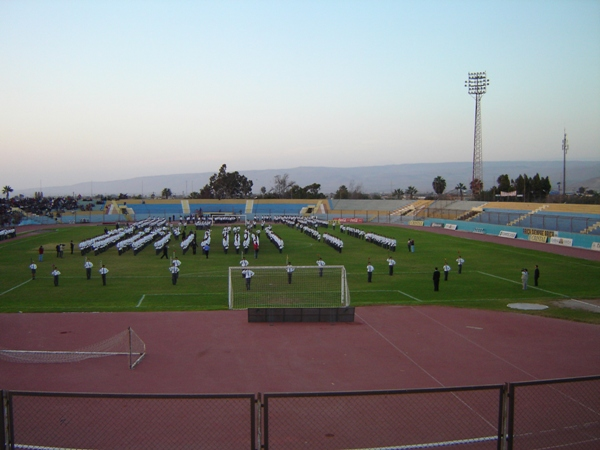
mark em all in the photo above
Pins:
pixel 565 149
pixel 477 85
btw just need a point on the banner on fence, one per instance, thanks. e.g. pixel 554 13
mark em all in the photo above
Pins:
pixel 561 241
pixel 596 246
pixel 508 194
pixel 450 226
pixel 547 233
pixel 349 220
pixel 538 238
pixel 417 223
pixel 436 225
pixel 508 234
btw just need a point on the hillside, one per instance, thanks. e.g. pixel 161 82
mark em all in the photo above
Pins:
pixel 373 179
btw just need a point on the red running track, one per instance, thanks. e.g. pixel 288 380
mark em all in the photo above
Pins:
pixel 387 347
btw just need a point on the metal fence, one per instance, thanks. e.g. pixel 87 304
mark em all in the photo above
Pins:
pixel 556 414
pixel 390 419
pixel 109 421
pixel 563 413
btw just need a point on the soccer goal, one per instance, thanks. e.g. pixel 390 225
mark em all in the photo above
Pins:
pixel 126 343
pixel 274 287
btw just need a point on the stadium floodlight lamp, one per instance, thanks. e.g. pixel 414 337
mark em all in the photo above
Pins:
pixel 477 83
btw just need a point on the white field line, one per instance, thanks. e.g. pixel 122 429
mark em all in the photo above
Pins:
pixel 13 288
pixel 528 287
pixel 586 303
pixel 391 290
pixel 167 294
pixel 410 296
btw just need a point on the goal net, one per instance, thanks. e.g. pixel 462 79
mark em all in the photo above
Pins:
pixel 126 343
pixel 273 287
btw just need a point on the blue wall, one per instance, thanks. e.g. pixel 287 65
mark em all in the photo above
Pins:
pixel 579 240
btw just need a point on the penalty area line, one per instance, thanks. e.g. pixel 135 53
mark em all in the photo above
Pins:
pixel 171 295
pixel 13 288
pixel 529 287
pixel 392 290
pixel 410 296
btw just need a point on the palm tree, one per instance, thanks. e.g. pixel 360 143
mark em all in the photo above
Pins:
pixel 411 191
pixel 7 190
pixel 439 185
pixel 398 193
pixel 461 188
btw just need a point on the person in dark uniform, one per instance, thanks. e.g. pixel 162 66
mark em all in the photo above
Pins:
pixel 165 252
pixel 436 279
pixel 536 275
pixel 194 245
pixel 290 270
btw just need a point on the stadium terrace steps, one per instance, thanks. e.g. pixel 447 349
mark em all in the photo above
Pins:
pixel 419 206
pixel 591 229
pixel 524 216
pixel 185 205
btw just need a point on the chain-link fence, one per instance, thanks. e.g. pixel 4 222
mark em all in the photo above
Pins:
pixel 387 419
pixel 104 421
pixel 553 414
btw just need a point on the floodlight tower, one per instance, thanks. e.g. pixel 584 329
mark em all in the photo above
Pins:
pixel 565 149
pixel 477 85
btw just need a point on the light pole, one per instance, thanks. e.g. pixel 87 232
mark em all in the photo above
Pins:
pixel 477 85
pixel 565 149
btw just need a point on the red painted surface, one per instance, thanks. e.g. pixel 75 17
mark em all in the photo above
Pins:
pixel 386 347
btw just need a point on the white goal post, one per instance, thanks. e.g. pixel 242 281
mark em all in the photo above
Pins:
pixel 274 287
pixel 126 343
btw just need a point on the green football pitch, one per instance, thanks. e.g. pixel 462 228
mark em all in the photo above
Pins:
pixel 490 277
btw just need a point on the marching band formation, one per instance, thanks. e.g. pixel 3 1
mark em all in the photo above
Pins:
pixel 160 232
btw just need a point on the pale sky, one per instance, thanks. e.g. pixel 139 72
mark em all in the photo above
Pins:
pixel 104 90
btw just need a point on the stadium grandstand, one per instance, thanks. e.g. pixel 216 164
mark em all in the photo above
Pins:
pixel 579 223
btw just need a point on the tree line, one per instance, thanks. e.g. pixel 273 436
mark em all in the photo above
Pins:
pixel 233 185
pixel 223 185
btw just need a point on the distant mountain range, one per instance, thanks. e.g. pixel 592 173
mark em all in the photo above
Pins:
pixel 373 179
